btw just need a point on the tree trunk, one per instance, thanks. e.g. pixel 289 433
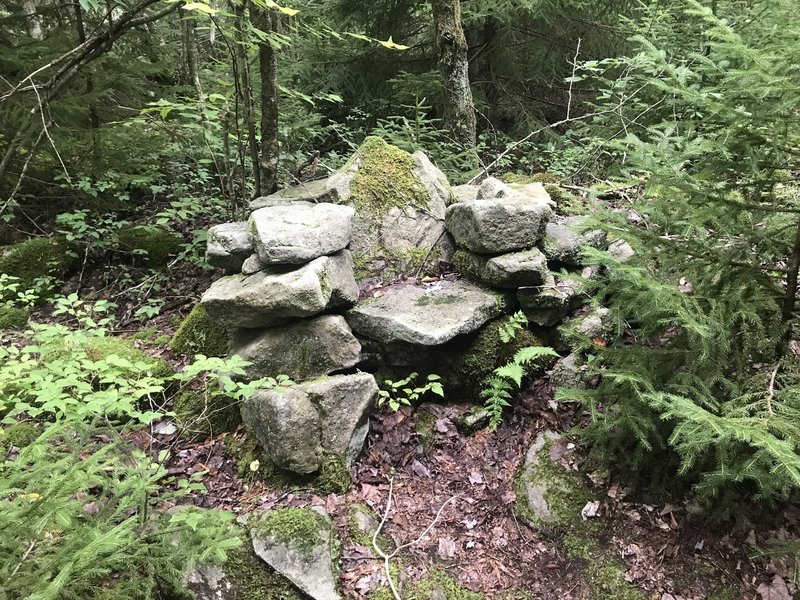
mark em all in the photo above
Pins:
pixel 267 21
pixel 451 48
pixel 242 68
pixel 94 120
pixel 33 22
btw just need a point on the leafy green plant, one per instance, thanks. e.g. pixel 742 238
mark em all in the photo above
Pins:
pixel 497 389
pixel 404 392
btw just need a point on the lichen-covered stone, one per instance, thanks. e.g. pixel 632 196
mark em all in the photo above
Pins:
pixel 301 350
pixel 156 244
pixel 501 224
pixel 564 241
pixel 569 372
pixel 298 544
pixel 299 232
pixel 491 188
pixel 427 315
pixel 320 190
pixel 298 426
pixel 200 334
pixel 511 271
pixel 252 264
pixel 228 245
pixel 38 257
pixel 621 250
pixel 270 297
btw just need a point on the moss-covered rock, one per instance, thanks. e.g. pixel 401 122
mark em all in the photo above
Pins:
pixel 252 462
pixel 13 316
pixel 38 257
pixel 297 528
pixel 151 337
pixel 424 428
pixel 566 203
pixel 252 579
pixel 334 476
pixel 362 522
pixel 19 434
pixel 155 243
pixel 205 414
pixel 436 584
pixel 200 334
pixel 100 348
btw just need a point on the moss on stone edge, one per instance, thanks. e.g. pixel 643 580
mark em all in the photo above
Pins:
pixel 334 476
pixel 566 203
pixel 38 257
pixel 295 528
pixel 206 415
pixel 100 348
pixel 156 243
pixel 252 579
pixel 200 334
pixel 13 316
pixel 385 179
pixel 487 352
pixel 424 428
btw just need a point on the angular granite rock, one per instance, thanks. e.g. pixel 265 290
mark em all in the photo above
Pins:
pixel 514 270
pixel 299 232
pixel 228 245
pixel 563 242
pixel 502 224
pixel 252 265
pixel 491 188
pixel 297 543
pixel 268 298
pixel 302 350
pixel 318 190
pixel 298 426
pixel 426 315
pixel 621 250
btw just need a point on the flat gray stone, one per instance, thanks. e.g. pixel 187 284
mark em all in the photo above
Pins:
pixel 536 489
pixel 465 192
pixel 318 190
pixel 502 224
pixel 514 270
pixel 491 188
pixel 310 570
pixel 302 350
pixel 228 245
pixel 300 425
pixel 287 426
pixel 427 315
pixel 270 297
pixel 299 232
pixel 252 265
pixel 563 242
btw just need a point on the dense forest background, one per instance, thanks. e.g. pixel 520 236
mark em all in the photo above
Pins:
pixel 127 128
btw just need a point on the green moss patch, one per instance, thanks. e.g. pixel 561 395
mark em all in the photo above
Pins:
pixel 606 581
pixel 385 178
pixel 18 435
pixel 424 428
pixel 155 243
pixel 151 337
pixel 296 528
pixel 334 476
pixel 252 579
pixel 38 257
pixel 436 584
pixel 13 316
pixel 200 334
pixel 251 462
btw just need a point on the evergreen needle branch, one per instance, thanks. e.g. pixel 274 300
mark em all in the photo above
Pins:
pixel 388 557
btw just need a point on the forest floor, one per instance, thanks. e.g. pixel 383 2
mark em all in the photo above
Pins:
pixel 661 550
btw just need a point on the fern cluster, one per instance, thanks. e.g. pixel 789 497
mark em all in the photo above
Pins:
pixel 701 384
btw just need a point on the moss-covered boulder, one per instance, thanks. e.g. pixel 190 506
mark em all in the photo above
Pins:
pixel 100 348
pixel 200 334
pixel 435 585
pixel 18 434
pixel 38 257
pixel 13 316
pixel 152 242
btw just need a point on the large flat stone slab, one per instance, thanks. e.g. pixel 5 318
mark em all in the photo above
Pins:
pixel 564 241
pixel 270 297
pixel 299 232
pixel 427 315
pixel 503 224
pixel 228 245
pixel 302 350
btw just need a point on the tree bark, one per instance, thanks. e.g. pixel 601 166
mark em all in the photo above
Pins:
pixel 94 120
pixel 242 68
pixel 267 21
pixel 451 49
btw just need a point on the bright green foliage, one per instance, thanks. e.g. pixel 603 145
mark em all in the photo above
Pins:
pixel 36 258
pixel 404 393
pixel 200 334
pixel 498 387
pixel 709 391
pixel 155 243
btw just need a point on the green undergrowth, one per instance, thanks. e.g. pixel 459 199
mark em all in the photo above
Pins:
pixel 198 333
pixel 151 337
pixel 19 434
pixel 385 179
pixel 101 347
